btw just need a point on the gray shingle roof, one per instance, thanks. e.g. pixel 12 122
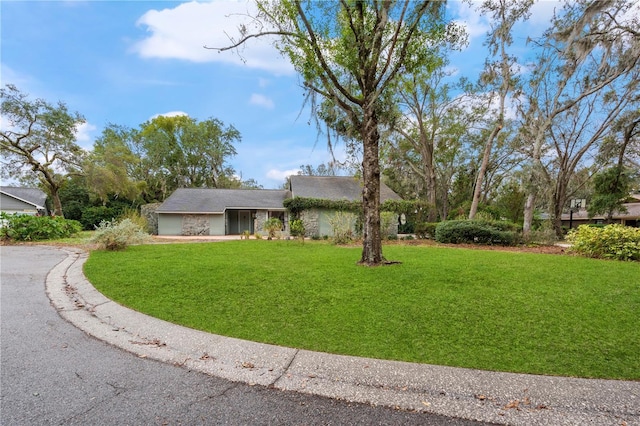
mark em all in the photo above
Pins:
pixel 201 200
pixel 335 188
pixel 34 196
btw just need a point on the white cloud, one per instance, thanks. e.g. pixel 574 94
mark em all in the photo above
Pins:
pixel 169 114
pixel 474 24
pixel 84 135
pixel 542 12
pixel 10 76
pixel 261 100
pixel 281 175
pixel 182 33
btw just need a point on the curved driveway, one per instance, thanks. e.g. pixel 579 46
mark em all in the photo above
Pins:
pixel 53 373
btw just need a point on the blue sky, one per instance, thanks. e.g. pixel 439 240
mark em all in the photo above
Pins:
pixel 125 62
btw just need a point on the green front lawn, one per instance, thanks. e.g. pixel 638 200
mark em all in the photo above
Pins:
pixel 492 310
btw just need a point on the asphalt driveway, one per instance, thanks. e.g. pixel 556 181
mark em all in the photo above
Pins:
pixel 53 373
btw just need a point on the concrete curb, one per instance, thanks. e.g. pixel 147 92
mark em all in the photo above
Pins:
pixel 503 398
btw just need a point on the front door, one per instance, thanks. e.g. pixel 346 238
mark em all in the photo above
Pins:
pixel 244 221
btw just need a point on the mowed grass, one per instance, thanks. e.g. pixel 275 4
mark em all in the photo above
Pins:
pixel 492 310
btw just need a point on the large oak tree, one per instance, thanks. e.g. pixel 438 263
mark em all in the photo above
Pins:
pixel 351 53
pixel 38 139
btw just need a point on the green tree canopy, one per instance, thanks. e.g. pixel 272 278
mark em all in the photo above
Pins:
pixel 351 54
pixel 611 189
pixel 162 155
pixel 39 139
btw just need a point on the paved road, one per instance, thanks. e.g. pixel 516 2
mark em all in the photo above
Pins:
pixel 53 373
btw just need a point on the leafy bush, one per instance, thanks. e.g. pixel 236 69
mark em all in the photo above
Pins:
pixel 273 227
pixel 545 234
pixel 93 216
pixel 476 232
pixel 33 228
pixel 425 230
pixel 387 222
pixel 342 224
pixel 117 235
pixel 297 228
pixel 611 242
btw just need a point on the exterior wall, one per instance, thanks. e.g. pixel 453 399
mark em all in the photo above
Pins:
pixel 148 211
pixel 261 218
pixel 324 227
pixel 195 224
pixel 169 224
pixel 316 222
pixel 216 224
pixel 10 205
pixel 310 219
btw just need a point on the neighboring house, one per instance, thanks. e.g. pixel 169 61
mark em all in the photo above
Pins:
pixel 196 211
pixel 31 201
pixel 629 218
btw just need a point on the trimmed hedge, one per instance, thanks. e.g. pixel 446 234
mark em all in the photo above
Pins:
pixel 477 232
pixel 610 242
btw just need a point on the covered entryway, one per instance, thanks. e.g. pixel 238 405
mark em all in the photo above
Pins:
pixel 239 221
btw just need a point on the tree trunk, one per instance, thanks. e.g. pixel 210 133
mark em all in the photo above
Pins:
pixel 557 218
pixel 483 170
pixel 371 241
pixel 430 179
pixel 57 205
pixel 528 213
pixel 530 203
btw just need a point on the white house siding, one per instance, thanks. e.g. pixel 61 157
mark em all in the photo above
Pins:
pixel 10 205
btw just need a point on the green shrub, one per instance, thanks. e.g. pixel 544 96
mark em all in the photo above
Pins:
pixel 93 216
pixel 117 235
pixel 610 242
pixel 387 224
pixel 476 232
pixel 342 224
pixel 34 228
pixel 297 228
pixel 425 230
pixel 545 234
pixel 273 227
